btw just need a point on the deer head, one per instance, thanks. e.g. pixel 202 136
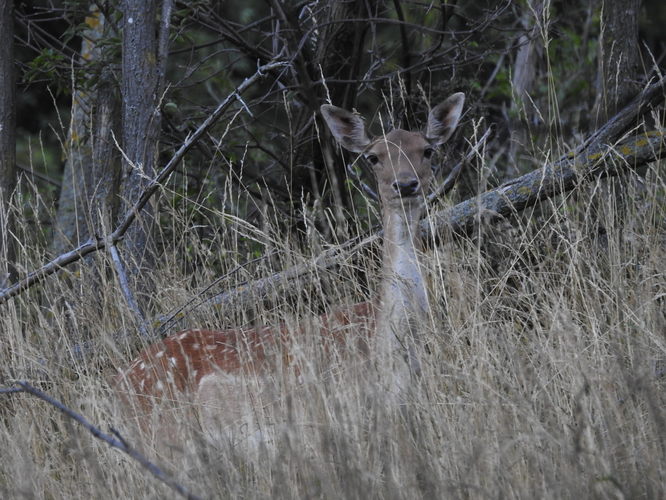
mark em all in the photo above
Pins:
pixel 401 160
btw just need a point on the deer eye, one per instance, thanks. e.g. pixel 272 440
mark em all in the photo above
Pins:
pixel 372 159
pixel 428 152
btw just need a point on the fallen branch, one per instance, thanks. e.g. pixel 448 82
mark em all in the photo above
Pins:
pixel 613 129
pixel 97 243
pixel 546 182
pixel 297 277
pixel 586 162
pixel 115 442
pixel 511 197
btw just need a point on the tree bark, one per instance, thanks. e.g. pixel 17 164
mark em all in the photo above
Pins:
pixel 143 67
pixel 619 57
pixel 619 63
pixel 7 138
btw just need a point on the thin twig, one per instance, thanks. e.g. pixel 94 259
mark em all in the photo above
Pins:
pixel 406 56
pixel 42 177
pixel 115 442
pixel 166 321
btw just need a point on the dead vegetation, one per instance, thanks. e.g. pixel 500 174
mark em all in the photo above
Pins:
pixel 544 377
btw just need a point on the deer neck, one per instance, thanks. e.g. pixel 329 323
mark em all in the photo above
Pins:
pixel 403 300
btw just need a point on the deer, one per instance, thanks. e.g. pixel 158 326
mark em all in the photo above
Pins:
pixel 214 368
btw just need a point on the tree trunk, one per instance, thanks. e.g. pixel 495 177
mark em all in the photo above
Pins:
pixel 7 138
pixel 90 180
pixel 523 77
pixel 143 66
pixel 617 84
pixel 619 57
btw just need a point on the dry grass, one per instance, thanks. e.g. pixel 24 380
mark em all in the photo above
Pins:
pixel 543 377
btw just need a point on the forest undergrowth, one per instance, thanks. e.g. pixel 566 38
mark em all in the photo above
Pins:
pixel 543 373
pixel 544 367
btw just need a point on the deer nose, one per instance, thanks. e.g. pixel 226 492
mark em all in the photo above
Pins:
pixel 406 188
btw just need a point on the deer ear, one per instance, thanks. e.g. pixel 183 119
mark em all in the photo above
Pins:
pixel 347 128
pixel 443 119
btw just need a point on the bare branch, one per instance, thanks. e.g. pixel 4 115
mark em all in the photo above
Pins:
pixel 11 390
pixel 406 57
pixel 127 291
pixel 97 243
pixel 115 442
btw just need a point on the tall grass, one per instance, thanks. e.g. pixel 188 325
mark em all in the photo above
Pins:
pixel 543 372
